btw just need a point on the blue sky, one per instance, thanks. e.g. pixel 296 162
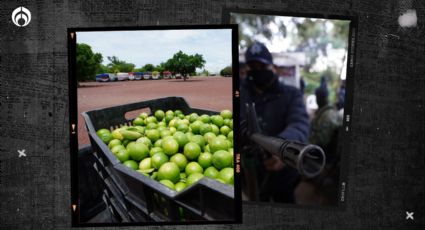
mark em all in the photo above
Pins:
pixel 156 46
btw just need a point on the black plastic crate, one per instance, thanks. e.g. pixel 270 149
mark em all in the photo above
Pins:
pixel 147 198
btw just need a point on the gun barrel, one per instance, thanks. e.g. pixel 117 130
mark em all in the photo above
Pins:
pixel 309 160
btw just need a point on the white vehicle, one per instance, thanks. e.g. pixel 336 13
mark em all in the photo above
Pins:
pixel 112 77
pixel 147 76
pixel 122 76
pixel 131 76
pixel 155 75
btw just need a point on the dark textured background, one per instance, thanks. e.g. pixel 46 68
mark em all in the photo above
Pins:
pixel 385 164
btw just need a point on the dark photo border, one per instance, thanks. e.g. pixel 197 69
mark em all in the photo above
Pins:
pixel 344 139
pixel 73 122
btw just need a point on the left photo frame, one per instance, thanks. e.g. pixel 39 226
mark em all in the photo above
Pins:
pixel 153 115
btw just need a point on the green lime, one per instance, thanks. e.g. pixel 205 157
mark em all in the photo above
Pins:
pixel 151 119
pixel 205 128
pixel 145 141
pixel 204 118
pixel 155 150
pixel 226 114
pixel 209 137
pixel 114 143
pixel 170 146
pixel 117 148
pixel 117 135
pixel 215 129
pixel 146 164
pixel 123 155
pixel 211 172
pixel 158 143
pixel 169 171
pixel 177 112
pixel 193 178
pixel 222 159
pixel 218 144
pixel 196 127
pixel 180 186
pixel 168 118
pixel 181 138
pixel 198 139
pixel 167 183
pixel 180 160
pixel 227 175
pixel 131 164
pixel 225 130
pixel 143 115
pixel 205 160
pixel 169 113
pixel 153 134
pixel 106 137
pixel 165 133
pixel 139 121
pixel 192 151
pixel 217 120
pixel 151 125
pixel 182 127
pixel 159 114
pixel 158 159
pixel 193 117
pixel 137 150
pixel 193 167
pixel 230 136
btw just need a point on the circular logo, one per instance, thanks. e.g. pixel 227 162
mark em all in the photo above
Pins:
pixel 21 16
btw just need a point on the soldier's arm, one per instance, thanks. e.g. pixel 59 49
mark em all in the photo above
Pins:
pixel 298 127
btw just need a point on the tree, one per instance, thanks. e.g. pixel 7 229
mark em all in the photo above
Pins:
pixel 148 68
pixel 160 68
pixel 226 71
pixel 102 69
pixel 254 27
pixel 117 65
pixel 184 64
pixel 88 63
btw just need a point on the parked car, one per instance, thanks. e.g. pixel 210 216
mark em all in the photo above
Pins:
pixel 122 76
pixel 112 77
pixel 147 76
pixel 138 75
pixel 166 75
pixel 131 76
pixel 155 75
pixel 102 77
pixel 178 76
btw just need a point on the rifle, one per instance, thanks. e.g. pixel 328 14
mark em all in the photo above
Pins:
pixel 308 159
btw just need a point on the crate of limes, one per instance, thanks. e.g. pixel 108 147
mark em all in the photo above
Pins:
pixel 173 164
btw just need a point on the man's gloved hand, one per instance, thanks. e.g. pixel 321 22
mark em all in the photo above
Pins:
pixel 273 163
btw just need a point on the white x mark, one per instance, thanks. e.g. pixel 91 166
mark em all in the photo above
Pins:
pixel 22 153
pixel 409 215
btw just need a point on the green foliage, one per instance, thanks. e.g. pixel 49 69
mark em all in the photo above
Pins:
pixel 312 81
pixel 102 69
pixel 226 71
pixel 184 64
pixel 117 65
pixel 311 36
pixel 254 25
pixel 87 63
pixel 148 68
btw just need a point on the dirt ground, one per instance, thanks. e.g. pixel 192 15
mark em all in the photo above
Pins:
pixel 212 93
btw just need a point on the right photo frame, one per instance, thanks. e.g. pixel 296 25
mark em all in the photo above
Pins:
pixel 296 87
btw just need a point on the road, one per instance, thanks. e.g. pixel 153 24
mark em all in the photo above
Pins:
pixel 211 93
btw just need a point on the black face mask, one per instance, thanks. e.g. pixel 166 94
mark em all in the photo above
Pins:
pixel 261 78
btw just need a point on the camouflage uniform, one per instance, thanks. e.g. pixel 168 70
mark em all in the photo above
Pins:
pixel 324 127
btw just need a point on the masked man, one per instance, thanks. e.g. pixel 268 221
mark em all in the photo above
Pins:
pixel 281 113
